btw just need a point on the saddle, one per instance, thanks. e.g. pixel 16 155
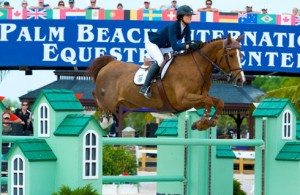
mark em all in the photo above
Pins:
pixel 140 75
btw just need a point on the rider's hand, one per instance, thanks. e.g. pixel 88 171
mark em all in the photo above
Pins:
pixel 194 45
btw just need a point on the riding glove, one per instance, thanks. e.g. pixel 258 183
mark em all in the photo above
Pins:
pixel 194 45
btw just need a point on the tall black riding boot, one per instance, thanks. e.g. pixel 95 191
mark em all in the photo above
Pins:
pixel 145 89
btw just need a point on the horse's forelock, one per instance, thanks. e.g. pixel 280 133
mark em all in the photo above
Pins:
pixel 97 64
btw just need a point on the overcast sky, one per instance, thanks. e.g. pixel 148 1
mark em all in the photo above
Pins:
pixel 16 84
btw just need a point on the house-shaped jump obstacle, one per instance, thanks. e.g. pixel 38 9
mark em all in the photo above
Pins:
pixel 208 169
pixel 277 165
pixel 64 150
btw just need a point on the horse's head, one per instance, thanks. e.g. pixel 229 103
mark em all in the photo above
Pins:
pixel 229 60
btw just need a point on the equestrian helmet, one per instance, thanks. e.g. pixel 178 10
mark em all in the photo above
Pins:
pixel 184 10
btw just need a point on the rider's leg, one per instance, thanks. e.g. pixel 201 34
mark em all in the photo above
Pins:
pixel 145 89
pixel 155 53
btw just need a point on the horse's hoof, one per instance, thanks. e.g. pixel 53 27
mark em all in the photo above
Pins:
pixel 194 126
pixel 199 126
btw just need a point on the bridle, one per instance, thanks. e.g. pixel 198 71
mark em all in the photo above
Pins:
pixel 230 76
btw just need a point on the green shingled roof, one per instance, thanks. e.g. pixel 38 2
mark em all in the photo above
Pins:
pixel 298 130
pixel 289 152
pixel 224 152
pixel 74 124
pixel 272 107
pixel 34 150
pixel 168 127
pixel 60 100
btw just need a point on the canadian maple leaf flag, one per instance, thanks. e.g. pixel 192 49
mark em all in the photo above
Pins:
pixel 15 14
pixel 285 19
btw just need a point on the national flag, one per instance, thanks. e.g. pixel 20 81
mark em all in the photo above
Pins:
pixel 246 18
pixel 297 20
pixel 69 14
pixel 133 14
pixel 196 17
pixel 209 16
pixel 284 19
pixel 169 15
pixel 36 14
pixel 94 14
pixel 228 17
pixel 3 14
pixel 15 14
pixel 266 19
pixel 54 14
pixel 114 14
pixel 155 15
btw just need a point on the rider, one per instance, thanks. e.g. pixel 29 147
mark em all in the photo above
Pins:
pixel 166 40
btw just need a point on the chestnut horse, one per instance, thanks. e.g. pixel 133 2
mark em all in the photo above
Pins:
pixel 187 81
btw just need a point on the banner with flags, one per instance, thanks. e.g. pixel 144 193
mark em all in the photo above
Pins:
pixel 246 18
pixel 15 14
pixel 133 15
pixel 266 19
pixel 155 15
pixel 3 14
pixel 147 15
pixel 114 14
pixel 285 19
pixel 54 14
pixel 94 14
pixel 228 17
pixel 68 14
pixel 209 16
pixel 36 14
pixel 169 15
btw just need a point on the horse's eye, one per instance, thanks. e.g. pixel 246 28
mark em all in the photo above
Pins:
pixel 231 55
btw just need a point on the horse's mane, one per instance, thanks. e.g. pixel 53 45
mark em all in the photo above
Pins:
pixel 97 64
pixel 202 44
pixel 213 40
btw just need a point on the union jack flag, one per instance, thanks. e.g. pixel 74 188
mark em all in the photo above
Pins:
pixel 297 20
pixel 36 14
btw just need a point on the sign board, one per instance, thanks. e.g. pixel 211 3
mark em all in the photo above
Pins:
pixel 52 44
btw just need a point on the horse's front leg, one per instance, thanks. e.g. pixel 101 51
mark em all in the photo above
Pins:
pixel 200 101
pixel 219 105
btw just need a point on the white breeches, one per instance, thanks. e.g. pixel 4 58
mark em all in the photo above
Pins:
pixel 155 52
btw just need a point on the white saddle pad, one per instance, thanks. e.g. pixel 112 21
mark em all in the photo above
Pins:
pixel 141 73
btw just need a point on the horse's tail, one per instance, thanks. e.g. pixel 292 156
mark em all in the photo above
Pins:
pixel 97 64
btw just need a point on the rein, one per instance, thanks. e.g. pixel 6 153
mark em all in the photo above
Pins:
pixel 225 55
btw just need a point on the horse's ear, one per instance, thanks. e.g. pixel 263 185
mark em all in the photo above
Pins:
pixel 239 39
pixel 229 41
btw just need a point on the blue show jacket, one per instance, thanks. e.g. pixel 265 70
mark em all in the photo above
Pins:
pixel 170 35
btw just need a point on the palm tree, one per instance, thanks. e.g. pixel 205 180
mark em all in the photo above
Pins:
pixel 292 92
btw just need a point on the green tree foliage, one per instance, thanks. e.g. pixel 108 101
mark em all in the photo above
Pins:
pixel 117 160
pixel 280 87
pixel 138 121
pixel 86 190
pixel 237 188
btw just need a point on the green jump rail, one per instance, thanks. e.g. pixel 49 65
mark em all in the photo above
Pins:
pixel 131 178
pixel 182 141
pixel 169 141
